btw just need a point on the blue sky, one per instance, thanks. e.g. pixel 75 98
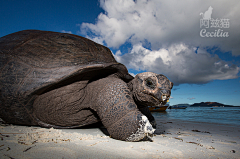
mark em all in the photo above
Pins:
pixel 157 36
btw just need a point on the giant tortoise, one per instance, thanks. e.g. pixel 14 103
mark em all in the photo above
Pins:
pixel 63 80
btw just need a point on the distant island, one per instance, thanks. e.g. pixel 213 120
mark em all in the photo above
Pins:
pixel 211 104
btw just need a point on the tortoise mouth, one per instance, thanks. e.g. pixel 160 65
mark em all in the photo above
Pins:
pixel 159 102
pixel 164 99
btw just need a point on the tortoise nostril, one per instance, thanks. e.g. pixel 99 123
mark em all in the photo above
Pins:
pixel 164 91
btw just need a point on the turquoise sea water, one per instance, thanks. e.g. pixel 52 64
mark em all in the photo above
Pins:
pixel 222 115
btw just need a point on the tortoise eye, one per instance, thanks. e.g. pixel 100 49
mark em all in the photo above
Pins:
pixel 150 83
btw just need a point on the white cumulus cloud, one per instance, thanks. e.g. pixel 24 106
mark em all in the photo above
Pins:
pixel 164 22
pixel 172 31
pixel 180 63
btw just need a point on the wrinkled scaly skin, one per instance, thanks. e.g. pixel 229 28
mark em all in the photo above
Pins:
pixel 65 81
pixel 111 99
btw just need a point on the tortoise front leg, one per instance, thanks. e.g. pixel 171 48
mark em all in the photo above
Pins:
pixel 148 114
pixel 119 114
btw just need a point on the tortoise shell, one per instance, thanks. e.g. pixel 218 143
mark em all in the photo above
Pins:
pixel 33 62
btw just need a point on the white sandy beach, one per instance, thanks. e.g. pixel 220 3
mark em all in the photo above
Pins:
pixel 172 139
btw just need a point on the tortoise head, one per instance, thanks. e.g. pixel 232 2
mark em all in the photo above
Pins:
pixel 150 89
